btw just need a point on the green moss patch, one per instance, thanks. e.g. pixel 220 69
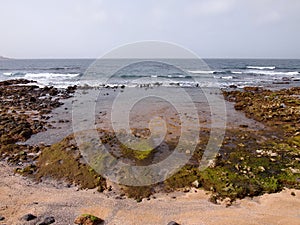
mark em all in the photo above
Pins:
pixel 61 161
pixel 138 151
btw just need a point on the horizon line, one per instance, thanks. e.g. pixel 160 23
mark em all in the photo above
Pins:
pixel 94 58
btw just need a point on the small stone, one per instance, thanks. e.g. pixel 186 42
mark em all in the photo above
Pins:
pixel 214 199
pixel 48 220
pixel 237 166
pixel 259 151
pixel 173 223
pixel 227 202
pixel 261 168
pixel 269 153
pixel 2 218
pixel 282 105
pixel 273 154
pixel 241 145
pixel 29 217
pixel 196 183
pixel 294 170
pixel 293 194
pixel 211 163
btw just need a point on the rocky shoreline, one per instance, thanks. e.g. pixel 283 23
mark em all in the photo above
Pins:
pixel 250 162
pixel 24 109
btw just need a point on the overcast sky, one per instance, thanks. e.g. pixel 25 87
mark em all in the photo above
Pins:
pixel 89 28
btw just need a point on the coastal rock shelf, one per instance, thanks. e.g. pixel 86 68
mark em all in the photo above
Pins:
pixel 250 162
pixel 23 112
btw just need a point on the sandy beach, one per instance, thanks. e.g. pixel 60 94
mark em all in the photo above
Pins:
pixel 20 196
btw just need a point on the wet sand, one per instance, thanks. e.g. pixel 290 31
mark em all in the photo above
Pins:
pixel 61 118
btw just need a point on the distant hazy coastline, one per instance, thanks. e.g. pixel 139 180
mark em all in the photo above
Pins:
pixel 3 58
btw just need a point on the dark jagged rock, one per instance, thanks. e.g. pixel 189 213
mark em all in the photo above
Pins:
pixel 71 89
pixel 232 86
pixel 18 81
pixel 22 114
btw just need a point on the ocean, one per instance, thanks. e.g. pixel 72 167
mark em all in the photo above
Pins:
pixel 224 73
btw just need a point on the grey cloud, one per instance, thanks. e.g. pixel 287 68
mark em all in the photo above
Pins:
pixel 89 28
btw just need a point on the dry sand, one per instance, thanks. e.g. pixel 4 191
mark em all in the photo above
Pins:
pixel 19 196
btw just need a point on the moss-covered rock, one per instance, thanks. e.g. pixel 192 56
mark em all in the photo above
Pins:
pixel 87 219
pixel 62 161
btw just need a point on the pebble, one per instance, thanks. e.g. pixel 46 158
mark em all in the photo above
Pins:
pixel 196 183
pixel 227 202
pixel 294 171
pixel 273 154
pixel 48 220
pixel 2 218
pixel 173 223
pixel 29 217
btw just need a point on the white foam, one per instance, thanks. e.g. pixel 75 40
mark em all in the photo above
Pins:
pixel 177 76
pixel 51 75
pixel 262 67
pixel 274 73
pixel 236 72
pixel 202 71
pixel 10 74
pixel 227 77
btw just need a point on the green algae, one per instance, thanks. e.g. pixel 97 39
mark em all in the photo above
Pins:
pixel 57 163
pixel 91 217
pixel 139 150
pixel 183 178
pixel 138 192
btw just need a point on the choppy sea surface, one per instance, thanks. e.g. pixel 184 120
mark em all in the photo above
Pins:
pixel 268 73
